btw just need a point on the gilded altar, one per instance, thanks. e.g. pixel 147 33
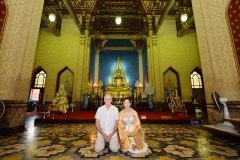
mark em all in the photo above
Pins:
pixel 118 85
pixel 119 92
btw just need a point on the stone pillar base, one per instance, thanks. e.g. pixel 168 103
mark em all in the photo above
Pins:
pixel 13 120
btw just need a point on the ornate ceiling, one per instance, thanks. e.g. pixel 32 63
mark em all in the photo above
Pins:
pixel 98 16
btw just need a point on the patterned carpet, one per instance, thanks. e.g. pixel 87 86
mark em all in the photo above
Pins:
pixel 76 141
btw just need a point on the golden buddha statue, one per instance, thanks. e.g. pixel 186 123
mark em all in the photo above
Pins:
pixel 118 85
pixel 118 80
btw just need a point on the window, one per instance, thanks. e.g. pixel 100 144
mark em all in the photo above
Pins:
pixel 38 85
pixel 34 94
pixel 40 79
pixel 196 80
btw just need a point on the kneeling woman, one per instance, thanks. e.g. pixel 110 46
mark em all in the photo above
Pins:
pixel 130 130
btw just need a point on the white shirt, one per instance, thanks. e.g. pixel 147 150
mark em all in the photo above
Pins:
pixel 107 118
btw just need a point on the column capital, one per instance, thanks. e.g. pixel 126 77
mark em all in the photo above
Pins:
pixel 82 39
pixel 154 40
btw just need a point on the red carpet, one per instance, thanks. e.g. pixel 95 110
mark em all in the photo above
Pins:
pixel 88 116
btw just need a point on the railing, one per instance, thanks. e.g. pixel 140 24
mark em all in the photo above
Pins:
pixel 137 103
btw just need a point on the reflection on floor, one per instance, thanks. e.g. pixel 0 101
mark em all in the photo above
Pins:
pixel 76 141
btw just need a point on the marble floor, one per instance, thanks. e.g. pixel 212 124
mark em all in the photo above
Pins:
pixel 76 141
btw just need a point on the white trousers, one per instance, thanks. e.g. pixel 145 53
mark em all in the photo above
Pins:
pixel 100 143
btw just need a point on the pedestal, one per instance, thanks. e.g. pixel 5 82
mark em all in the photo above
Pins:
pixel 13 120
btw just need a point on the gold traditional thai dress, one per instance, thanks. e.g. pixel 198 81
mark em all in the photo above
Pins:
pixel 131 124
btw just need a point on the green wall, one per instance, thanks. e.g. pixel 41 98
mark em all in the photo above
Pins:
pixel 54 53
pixel 181 53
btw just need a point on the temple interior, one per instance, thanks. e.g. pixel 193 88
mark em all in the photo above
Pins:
pixel 176 58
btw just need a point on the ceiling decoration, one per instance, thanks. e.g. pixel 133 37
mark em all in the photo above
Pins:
pixel 138 16
pixel 134 18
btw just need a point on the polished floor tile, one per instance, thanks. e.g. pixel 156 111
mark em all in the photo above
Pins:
pixel 76 141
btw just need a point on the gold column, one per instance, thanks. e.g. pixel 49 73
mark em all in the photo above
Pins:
pixel 87 58
pixel 78 80
pixel 151 62
pixel 156 72
pixel 83 65
pixel 96 66
pixel 140 66
pixel 149 57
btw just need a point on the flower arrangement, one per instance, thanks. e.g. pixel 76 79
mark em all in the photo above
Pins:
pixel 87 88
pixel 149 89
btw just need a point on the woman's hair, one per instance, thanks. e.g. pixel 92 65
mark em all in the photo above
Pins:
pixel 126 99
